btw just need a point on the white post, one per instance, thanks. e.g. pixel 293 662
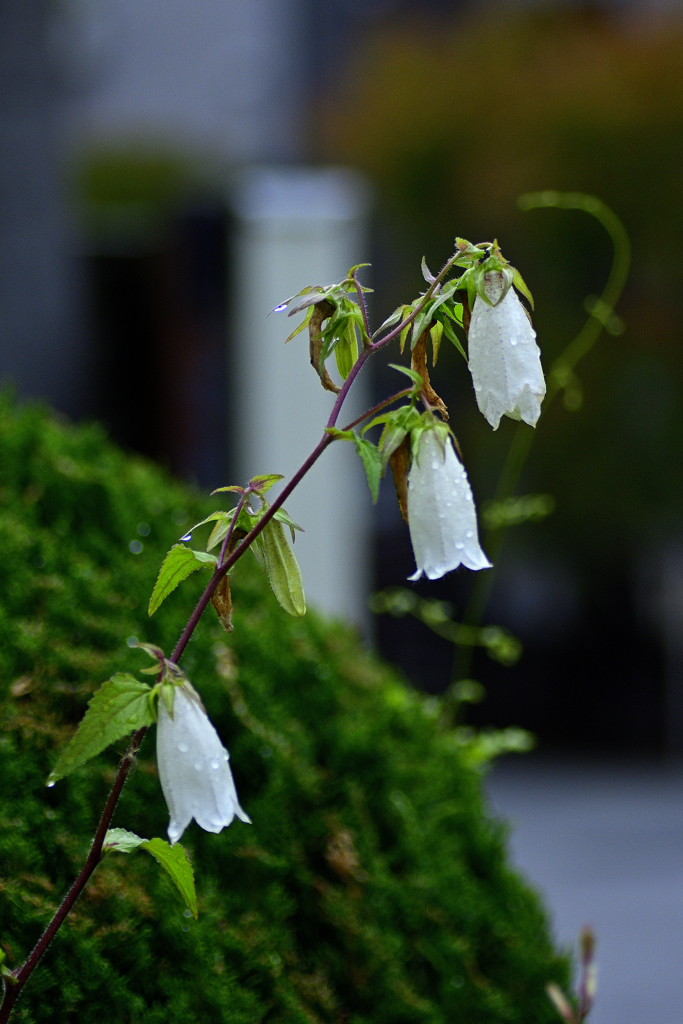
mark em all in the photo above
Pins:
pixel 297 227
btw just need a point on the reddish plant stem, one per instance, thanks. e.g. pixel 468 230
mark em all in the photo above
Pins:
pixel 377 408
pixel 240 505
pixel 14 985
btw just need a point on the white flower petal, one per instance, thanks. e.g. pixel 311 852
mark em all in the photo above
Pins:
pixel 441 514
pixel 194 768
pixel 504 359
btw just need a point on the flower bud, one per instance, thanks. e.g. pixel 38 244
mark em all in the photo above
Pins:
pixel 504 358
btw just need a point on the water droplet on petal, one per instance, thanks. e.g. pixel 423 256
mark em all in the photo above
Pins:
pixel 513 341
pixel 470 533
pixel 198 766
pixel 183 748
pixel 50 785
pixel 188 536
pixel 460 545
pixel 215 765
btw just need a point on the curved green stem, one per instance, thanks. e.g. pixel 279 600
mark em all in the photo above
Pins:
pixel 560 375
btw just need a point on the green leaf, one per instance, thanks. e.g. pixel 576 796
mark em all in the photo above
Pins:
pixel 302 326
pixel 346 352
pixel 283 570
pixel 215 516
pixel 173 859
pixel 118 708
pixel 390 321
pixel 282 517
pixel 452 336
pixel 407 310
pixel 392 436
pixel 121 840
pixel 413 374
pixel 264 482
pixel 179 563
pixel 419 324
pixel 340 435
pixel 436 332
pixel 372 464
pixel 426 272
pixel 521 286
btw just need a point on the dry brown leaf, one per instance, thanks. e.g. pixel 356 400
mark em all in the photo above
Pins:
pixel 222 602
pixel 419 364
pixel 321 311
pixel 399 460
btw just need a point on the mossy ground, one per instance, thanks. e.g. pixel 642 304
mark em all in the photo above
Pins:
pixel 372 887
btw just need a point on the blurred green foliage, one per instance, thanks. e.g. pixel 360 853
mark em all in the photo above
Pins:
pixel 454 122
pixel 372 885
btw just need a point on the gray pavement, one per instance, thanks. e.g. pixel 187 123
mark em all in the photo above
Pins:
pixel 604 845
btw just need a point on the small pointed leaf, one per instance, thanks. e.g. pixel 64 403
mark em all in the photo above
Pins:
pixel 264 482
pixel 179 563
pixel 521 286
pixel 118 708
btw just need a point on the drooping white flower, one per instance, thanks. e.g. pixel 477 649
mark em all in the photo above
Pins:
pixel 193 767
pixel 441 514
pixel 504 359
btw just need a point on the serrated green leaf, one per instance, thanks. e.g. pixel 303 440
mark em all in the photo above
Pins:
pixel 172 859
pixel 265 481
pixel 283 569
pixel 179 563
pixel 121 840
pixel 118 708
pixel 219 490
pixel 175 861
pixel 521 286
pixel 372 464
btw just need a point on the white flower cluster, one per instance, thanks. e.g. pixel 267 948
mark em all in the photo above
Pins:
pixel 194 768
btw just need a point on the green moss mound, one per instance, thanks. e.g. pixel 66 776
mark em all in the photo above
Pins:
pixel 370 888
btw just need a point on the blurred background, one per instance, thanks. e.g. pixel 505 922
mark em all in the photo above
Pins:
pixel 167 168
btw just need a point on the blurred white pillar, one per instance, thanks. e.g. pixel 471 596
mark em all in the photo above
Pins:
pixel 297 227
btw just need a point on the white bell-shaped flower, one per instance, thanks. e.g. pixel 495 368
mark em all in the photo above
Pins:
pixel 504 359
pixel 441 514
pixel 194 768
